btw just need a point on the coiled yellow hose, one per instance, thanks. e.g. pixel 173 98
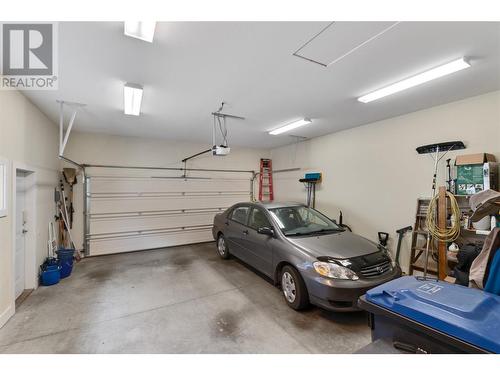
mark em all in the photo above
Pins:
pixel 448 234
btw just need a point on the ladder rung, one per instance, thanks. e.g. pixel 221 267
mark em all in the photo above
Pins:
pixel 429 269
pixel 421 249
pixel 418 231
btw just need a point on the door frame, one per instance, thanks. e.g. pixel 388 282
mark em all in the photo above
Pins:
pixel 30 267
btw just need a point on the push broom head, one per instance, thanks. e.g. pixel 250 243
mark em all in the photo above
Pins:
pixel 442 147
pixel 70 175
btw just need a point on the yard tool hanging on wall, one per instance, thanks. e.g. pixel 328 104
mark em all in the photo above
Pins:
pixel 65 236
pixel 70 178
pixel 432 231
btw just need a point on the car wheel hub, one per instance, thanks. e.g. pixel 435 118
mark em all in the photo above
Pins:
pixel 221 246
pixel 288 286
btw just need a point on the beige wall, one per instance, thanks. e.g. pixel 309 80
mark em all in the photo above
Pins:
pixel 373 173
pixel 28 138
pixel 131 151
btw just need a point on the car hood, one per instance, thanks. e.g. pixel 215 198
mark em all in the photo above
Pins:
pixel 340 245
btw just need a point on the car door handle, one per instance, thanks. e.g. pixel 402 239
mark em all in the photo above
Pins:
pixel 245 232
pixel 227 223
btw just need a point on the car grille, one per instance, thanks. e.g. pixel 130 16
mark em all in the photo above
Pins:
pixel 376 269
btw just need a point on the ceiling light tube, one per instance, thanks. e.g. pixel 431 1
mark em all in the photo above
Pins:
pixel 140 29
pixel 290 126
pixel 132 98
pixel 427 76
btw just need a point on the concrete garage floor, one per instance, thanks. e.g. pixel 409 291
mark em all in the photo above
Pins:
pixel 175 300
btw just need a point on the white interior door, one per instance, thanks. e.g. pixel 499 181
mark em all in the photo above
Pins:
pixel 21 230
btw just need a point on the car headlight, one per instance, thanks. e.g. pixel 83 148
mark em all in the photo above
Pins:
pixel 334 271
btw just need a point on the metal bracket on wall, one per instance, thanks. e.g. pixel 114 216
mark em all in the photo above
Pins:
pixel 63 137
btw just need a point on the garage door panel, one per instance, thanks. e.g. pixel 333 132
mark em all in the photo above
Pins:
pixel 150 204
pixel 133 211
pixel 119 224
pixel 145 242
pixel 148 185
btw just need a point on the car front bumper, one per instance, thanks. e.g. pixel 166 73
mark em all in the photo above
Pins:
pixel 342 295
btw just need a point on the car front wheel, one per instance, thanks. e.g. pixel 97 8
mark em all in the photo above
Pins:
pixel 294 288
pixel 222 247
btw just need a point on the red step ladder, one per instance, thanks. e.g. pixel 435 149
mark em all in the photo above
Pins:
pixel 266 192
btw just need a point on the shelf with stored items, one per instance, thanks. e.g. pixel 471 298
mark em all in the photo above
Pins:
pixel 468 235
pixel 441 261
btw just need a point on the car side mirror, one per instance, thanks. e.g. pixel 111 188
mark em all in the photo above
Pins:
pixel 266 230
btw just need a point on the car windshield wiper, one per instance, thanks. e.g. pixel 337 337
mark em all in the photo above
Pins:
pixel 324 230
pixel 296 234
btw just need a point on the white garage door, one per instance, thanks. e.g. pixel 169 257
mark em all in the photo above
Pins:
pixel 129 210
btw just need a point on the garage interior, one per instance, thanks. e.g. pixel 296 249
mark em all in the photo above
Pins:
pixel 146 138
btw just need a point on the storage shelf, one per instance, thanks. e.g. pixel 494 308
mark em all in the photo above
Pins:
pixel 475 232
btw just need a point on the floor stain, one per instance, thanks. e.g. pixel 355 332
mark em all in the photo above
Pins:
pixel 180 260
pixel 354 318
pixel 303 323
pixel 305 319
pixel 101 275
pixel 149 264
pixel 227 324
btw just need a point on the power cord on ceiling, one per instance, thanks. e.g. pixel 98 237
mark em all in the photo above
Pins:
pixel 221 124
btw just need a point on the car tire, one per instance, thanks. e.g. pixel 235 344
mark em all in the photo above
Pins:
pixel 222 248
pixel 294 289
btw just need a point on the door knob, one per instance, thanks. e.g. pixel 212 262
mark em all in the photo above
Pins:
pixel 25 231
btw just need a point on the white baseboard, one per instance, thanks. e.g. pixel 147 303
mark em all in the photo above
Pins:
pixel 6 315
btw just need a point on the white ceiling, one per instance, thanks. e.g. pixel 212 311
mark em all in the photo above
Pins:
pixel 191 67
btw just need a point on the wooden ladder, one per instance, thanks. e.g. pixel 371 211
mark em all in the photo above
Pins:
pixel 266 191
pixel 417 253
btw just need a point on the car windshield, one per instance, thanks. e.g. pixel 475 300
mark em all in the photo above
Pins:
pixel 302 220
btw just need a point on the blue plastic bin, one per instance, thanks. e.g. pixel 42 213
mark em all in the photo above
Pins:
pixel 65 258
pixel 434 317
pixel 49 274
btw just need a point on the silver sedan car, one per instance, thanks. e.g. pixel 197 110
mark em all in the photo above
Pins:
pixel 313 259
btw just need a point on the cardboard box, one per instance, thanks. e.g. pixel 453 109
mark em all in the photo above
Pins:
pixel 473 178
pixel 475 159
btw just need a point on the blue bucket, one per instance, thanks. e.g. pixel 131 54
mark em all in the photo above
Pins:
pixel 49 274
pixel 65 258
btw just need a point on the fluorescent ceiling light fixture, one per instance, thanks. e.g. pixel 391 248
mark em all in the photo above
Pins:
pixel 291 126
pixel 427 76
pixel 140 30
pixel 132 98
